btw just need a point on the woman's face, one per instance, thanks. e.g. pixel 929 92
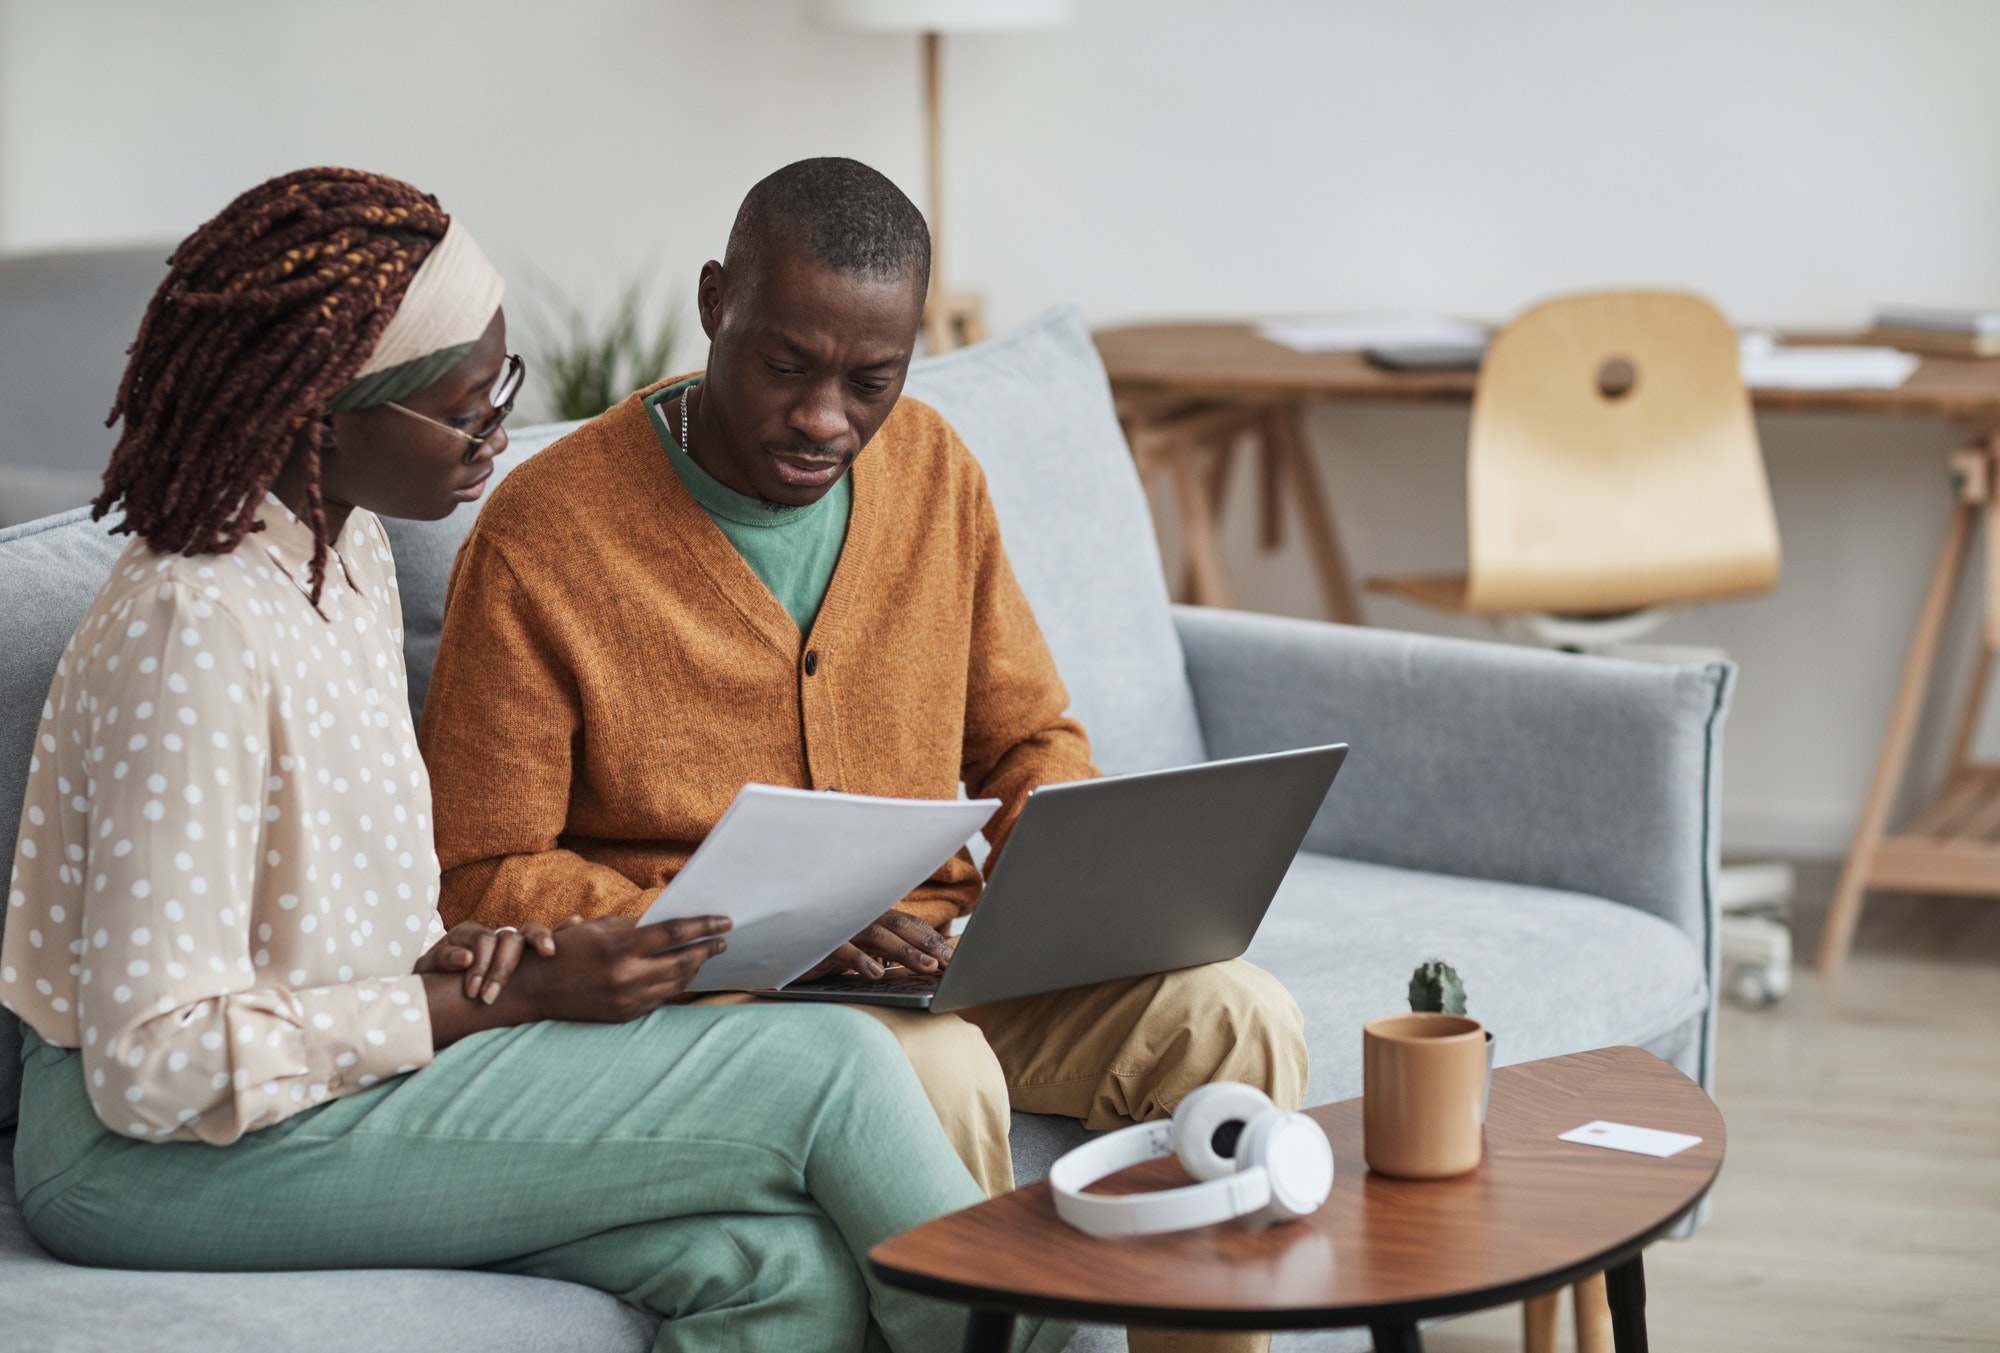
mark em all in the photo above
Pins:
pixel 391 464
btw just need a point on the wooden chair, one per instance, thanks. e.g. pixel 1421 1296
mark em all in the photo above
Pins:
pixel 1613 472
pixel 1613 467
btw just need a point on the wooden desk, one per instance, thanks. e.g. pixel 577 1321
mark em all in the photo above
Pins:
pixel 1192 396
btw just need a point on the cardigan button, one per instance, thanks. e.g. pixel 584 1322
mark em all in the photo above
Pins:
pixel 812 661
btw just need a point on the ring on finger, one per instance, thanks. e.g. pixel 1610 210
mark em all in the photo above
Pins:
pixel 507 930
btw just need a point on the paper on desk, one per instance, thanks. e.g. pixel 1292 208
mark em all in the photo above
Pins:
pixel 800 873
pixel 1352 333
pixel 1766 366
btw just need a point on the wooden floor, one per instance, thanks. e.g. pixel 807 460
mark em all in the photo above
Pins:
pixel 1860 1205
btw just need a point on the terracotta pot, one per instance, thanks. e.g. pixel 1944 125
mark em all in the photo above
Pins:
pixel 1423 1080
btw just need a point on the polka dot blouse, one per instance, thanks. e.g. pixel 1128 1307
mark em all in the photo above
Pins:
pixel 225 871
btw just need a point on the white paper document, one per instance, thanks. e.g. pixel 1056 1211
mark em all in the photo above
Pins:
pixel 1767 366
pixel 1353 333
pixel 1625 1137
pixel 800 873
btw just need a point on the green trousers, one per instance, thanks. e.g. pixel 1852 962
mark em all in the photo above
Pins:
pixel 725 1167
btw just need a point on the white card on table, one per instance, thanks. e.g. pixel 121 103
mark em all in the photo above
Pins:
pixel 1625 1137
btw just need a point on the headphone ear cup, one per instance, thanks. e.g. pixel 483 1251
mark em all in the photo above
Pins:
pixel 1295 1155
pixel 1210 1124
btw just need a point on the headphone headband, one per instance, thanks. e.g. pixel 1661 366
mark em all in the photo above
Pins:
pixel 1217 1200
pixel 1250 1160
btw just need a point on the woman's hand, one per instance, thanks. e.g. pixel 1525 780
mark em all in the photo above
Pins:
pixel 487 957
pixel 605 971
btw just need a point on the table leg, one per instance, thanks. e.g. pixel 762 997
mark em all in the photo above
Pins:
pixel 989 1332
pixel 1397 1338
pixel 1540 1317
pixel 1625 1285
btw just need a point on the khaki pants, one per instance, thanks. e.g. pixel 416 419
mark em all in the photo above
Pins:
pixel 1107 1055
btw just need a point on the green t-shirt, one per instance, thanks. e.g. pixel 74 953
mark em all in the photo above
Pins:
pixel 794 550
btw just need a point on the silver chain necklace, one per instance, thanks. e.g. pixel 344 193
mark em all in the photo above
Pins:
pixel 687 396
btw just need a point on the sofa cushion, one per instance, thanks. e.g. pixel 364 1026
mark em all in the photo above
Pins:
pixel 424 551
pixel 1548 972
pixel 49 571
pixel 1035 409
pixel 55 1307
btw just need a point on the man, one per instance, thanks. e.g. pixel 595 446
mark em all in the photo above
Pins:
pixel 780 571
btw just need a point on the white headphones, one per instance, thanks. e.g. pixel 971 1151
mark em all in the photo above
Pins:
pixel 1253 1159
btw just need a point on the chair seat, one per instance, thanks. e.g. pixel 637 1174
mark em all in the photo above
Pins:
pixel 1438 591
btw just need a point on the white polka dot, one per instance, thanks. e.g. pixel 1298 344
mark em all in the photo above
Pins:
pixel 376 1037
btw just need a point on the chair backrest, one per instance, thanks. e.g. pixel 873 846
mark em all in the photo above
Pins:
pixel 1614 461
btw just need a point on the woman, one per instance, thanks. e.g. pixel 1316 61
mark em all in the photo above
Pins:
pixel 249 1045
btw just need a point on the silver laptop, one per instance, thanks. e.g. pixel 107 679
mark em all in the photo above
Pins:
pixel 1120 877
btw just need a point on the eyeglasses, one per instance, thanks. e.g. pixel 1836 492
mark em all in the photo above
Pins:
pixel 512 376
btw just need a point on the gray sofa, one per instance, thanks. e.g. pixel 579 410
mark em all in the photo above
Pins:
pixel 1547 823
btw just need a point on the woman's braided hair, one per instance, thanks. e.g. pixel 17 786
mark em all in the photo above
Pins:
pixel 266 312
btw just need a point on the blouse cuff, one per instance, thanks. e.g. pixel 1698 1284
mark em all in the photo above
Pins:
pixel 358 1033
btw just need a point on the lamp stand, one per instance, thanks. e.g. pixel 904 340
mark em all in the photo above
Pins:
pixel 951 319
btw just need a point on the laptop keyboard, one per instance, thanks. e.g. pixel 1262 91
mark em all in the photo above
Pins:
pixel 910 983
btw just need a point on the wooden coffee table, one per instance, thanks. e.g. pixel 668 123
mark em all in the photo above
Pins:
pixel 1386 1253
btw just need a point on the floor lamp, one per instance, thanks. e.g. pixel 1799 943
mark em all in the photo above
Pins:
pixel 951 318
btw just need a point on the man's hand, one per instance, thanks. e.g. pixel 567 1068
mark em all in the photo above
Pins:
pixel 612 969
pixel 895 936
pixel 487 957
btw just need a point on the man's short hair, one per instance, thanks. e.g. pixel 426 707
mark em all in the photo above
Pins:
pixel 845 216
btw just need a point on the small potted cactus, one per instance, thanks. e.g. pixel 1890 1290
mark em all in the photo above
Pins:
pixel 1424 1081
pixel 1435 988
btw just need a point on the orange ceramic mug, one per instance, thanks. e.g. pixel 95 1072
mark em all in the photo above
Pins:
pixel 1423 1078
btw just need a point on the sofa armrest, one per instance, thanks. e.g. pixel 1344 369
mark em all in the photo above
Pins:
pixel 1481 759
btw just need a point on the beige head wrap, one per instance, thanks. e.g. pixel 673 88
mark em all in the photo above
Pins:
pixel 447 307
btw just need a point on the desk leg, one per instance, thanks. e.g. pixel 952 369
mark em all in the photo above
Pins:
pixel 1397 1338
pixel 989 1332
pixel 1625 1285
pixel 1284 436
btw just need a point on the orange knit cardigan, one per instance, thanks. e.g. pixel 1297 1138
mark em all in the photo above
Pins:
pixel 612 672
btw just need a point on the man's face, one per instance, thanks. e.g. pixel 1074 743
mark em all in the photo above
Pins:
pixel 805 364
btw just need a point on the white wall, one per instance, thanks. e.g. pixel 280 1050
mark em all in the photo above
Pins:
pixel 1798 161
